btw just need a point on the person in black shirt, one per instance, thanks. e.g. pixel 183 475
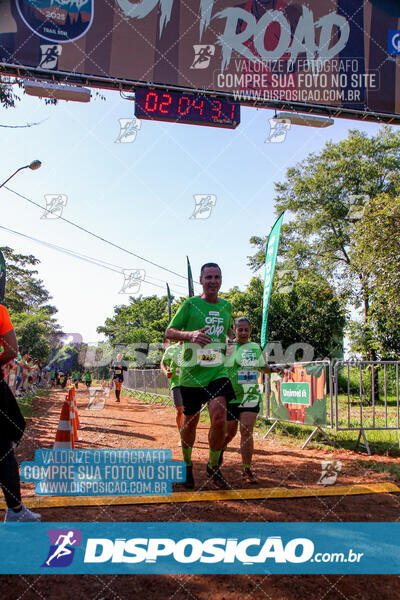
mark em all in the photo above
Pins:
pixel 117 370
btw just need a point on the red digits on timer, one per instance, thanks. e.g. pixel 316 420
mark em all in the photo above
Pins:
pixel 183 110
pixel 217 106
pixel 151 102
pixel 163 106
pixel 199 107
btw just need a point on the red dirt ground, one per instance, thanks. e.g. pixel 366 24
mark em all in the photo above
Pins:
pixel 132 424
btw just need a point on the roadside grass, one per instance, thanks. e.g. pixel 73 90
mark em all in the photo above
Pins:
pixel 147 397
pixel 25 402
pixel 379 467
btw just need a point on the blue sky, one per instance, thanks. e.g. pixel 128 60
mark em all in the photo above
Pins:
pixel 140 195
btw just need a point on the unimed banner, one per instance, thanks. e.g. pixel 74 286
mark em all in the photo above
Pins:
pixel 330 53
pixel 299 396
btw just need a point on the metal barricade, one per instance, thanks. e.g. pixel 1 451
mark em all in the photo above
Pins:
pixel 149 385
pixel 367 397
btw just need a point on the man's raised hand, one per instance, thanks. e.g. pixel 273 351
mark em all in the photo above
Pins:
pixel 200 338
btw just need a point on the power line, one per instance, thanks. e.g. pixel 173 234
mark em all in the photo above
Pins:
pixel 98 236
pixel 83 257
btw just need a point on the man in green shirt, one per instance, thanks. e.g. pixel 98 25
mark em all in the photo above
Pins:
pixel 202 323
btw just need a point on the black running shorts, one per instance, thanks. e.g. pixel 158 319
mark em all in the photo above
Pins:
pixel 234 410
pixel 177 396
pixel 195 397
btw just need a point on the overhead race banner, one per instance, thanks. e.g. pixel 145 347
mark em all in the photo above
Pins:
pixel 320 53
pixel 270 262
pixel 300 395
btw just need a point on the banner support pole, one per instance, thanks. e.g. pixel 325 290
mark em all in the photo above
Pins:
pixel 274 424
pixel 318 428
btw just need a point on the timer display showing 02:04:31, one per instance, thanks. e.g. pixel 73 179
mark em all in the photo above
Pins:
pixel 180 107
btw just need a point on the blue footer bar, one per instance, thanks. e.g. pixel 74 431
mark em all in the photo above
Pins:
pixel 202 548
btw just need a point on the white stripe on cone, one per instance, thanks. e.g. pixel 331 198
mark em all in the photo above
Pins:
pixel 64 426
pixel 62 445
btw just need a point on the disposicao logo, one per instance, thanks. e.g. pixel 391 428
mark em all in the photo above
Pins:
pixel 394 41
pixel 62 547
pixel 190 550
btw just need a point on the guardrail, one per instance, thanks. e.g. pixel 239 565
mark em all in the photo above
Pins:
pixel 150 385
pixel 370 397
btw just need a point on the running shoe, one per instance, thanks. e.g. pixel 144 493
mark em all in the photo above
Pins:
pixel 189 483
pixel 217 478
pixel 248 475
pixel 23 516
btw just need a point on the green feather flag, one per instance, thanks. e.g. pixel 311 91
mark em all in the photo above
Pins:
pixel 169 300
pixel 190 279
pixel 270 262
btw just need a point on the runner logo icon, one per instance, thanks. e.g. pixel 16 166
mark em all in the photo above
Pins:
pixel 394 41
pixel 202 56
pixel 62 547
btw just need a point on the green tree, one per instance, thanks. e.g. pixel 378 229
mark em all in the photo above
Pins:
pixel 308 313
pixel 144 319
pixel 375 247
pixel 8 94
pixel 27 300
pixel 65 357
pixel 24 290
pixel 323 194
pixel 142 322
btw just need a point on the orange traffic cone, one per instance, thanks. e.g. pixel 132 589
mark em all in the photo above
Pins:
pixel 64 434
pixel 73 420
pixel 77 422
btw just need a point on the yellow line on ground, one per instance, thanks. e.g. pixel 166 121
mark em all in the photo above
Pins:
pixel 211 496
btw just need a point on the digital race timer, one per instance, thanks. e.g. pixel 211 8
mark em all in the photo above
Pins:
pixel 180 107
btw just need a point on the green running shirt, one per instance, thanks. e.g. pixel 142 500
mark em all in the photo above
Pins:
pixel 200 366
pixel 243 369
pixel 171 359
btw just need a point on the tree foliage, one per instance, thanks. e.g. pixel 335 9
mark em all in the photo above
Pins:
pixel 27 301
pixel 307 313
pixel 376 247
pixel 8 95
pixel 144 319
pixel 24 290
pixel 324 195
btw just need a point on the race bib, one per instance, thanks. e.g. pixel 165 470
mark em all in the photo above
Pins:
pixel 209 357
pixel 247 377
